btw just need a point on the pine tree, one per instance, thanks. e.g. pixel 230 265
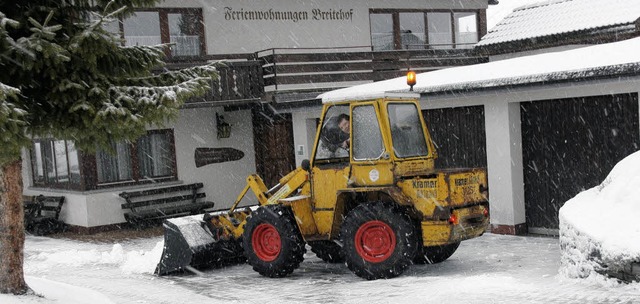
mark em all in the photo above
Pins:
pixel 64 76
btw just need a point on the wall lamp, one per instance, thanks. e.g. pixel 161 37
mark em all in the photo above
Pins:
pixel 223 128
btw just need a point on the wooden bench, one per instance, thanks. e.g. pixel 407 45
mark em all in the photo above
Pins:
pixel 151 205
pixel 41 215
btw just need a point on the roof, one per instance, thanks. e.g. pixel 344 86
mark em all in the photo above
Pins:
pixel 554 17
pixel 598 61
pixel 369 96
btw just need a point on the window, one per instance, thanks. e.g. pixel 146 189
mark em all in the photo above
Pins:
pixel 150 158
pixel 382 32
pixel 440 32
pixel 184 32
pixel 466 29
pixel 422 29
pixel 114 166
pixel 406 131
pixel 334 137
pixel 142 28
pixel 155 155
pixel 367 138
pixel 55 164
pixel 180 26
pixel 412 34
pixel 58 164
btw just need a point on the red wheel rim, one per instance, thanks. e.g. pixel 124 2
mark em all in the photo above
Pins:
pixel 266 242
pixel 375 241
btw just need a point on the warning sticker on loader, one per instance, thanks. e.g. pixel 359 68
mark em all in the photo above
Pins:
pixel 278 195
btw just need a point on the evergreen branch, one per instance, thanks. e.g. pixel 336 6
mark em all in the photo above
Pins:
pixel 171 77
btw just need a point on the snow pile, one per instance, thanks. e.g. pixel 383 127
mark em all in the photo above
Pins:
pixel 135 261
pixel 599 228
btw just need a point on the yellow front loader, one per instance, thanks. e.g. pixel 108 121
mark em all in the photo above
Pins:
pixel 369 197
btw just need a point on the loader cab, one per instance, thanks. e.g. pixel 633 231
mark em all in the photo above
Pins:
pixel 386 137
pixel 386 140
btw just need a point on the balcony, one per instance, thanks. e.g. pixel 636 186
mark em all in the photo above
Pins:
pixel 293 76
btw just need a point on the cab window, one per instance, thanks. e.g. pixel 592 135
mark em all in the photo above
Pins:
pixel 367 138
pixel 406 131
pixel 334 143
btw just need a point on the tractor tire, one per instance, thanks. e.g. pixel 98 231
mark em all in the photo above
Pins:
pixel 328 251
pixel 379 240
pixel 272 242
pixel 435 254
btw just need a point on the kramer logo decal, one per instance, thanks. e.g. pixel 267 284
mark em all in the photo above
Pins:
pixel 425 188
pixel 270 14
pixel 425 184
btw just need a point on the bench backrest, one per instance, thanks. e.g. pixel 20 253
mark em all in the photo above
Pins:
pixel 162 196
pixel 46 206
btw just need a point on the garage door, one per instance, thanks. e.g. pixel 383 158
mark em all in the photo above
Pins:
pixel 570 145
pixel 459 136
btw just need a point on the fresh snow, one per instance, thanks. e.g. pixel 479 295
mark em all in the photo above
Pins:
pixel 546 18
pixel 602 222
pixel 489 269
pixel 521 70
pixel 495 13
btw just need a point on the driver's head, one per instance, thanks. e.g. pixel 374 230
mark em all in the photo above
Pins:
pixel 343 123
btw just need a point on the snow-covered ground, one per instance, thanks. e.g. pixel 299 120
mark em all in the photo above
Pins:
pixel 489 269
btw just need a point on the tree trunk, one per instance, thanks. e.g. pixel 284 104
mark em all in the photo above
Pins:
pixel 11 229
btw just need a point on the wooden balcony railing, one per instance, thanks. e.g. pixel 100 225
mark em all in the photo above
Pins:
pixel 240 81
pixel 273 73
pixel 284 68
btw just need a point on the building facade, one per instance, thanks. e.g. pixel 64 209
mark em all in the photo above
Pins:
pixel 280 55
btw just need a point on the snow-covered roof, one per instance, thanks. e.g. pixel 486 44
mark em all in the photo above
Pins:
pixel 495 13
pixel 555 17
pixel 604 60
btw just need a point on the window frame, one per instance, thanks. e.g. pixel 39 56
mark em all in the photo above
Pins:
pixel 397 35
pixel 88 167
pixel 341 108
pixel 380 133
pixel 136 178
pixel 422 137
pixel 165 35
pixel 57 184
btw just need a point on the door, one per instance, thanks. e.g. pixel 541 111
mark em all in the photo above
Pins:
pixel 273 140
pixel 330 171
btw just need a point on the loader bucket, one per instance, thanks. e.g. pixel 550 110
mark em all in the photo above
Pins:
pixel 188 244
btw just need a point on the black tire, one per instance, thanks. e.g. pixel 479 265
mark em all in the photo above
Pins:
pixel 435 254
pixel 379 240
pixel 272 243
pixel 328 251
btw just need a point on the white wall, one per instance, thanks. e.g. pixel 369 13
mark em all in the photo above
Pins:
pixel 193 128
pixel 225 35
pixel 304 131
pixel 196 128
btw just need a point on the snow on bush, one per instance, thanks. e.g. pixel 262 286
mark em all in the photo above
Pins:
pixel 599 228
